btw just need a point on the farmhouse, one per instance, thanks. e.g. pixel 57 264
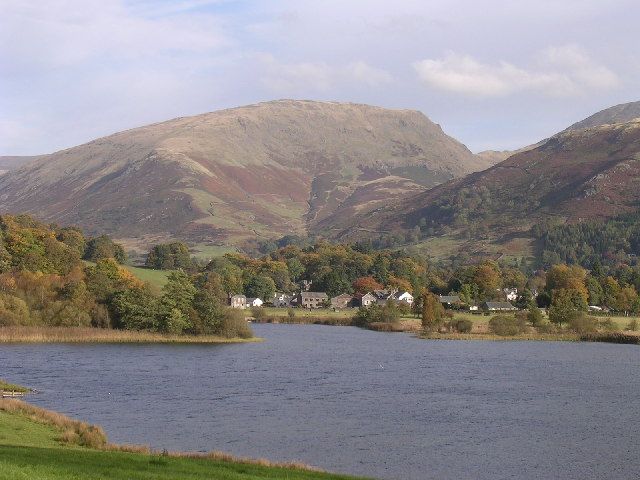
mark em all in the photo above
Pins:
pixel 342 301
pixel 364 300
pixel 449 301
pixel 238 301
pixel 311 299
pixel 281 299
pixel 405 297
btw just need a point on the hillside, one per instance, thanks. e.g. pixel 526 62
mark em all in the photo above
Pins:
pixel 259 171
pixel 8 163
pixel 617 114
pixel 575 175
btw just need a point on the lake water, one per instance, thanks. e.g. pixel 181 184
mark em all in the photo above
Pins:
pixel 354 401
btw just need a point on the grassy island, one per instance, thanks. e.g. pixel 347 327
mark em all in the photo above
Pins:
pixel 39 444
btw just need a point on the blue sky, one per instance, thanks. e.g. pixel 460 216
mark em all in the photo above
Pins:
pixel 496 74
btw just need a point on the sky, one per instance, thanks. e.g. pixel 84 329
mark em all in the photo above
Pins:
pixel 495 74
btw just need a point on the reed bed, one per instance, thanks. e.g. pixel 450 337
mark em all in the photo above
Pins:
pixel 23 334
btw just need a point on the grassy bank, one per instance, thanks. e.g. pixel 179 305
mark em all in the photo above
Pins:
pixel 545 337
pixel 43 445
pixel 100 335
pixel 12 387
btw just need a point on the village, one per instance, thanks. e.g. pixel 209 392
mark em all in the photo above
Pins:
pixel 311 300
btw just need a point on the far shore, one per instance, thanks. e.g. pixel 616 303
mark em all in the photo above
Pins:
pixel 100 335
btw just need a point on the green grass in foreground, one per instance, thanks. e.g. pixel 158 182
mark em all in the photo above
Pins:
pixel 30 451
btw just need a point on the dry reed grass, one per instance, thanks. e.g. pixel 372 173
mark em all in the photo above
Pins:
pixel 74 432
pixel 24 334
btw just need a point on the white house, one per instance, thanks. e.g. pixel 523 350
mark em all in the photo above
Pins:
pixel 511 294
pixel 254 302
pixel 403 297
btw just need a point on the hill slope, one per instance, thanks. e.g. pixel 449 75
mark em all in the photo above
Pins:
pixel 575 175
pixel 257 171
pixel 617 114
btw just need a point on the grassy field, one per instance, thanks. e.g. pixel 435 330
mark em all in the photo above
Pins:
pixel 101 335
pixel 156 278
pixel 35 445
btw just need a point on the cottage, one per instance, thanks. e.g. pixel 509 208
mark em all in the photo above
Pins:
pixel 311 299
pixel 281 300
pixel 365 300
pixel 238 301
pixel 343 300
pixel 405 297
pixel 498 307
pixel 450 301
pixel 254 302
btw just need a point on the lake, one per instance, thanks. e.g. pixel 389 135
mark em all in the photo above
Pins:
pixel 355 401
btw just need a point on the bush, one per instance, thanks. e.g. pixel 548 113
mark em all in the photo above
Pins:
pixel 504 325
pixel 534 316
pixel 291 312
pixel 463 325
pixel 258 313
pixel 547 328
pixel 234 325
pixel 633 325
pixel 583 324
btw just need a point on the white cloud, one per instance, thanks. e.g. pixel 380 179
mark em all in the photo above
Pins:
pixel 297 77
pixel 559 71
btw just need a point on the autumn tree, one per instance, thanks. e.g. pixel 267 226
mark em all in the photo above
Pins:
pixel 432 311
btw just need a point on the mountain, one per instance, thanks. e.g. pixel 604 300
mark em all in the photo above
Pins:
pixel 578 174
pixel 12 162
pixel 617 114
pixel 259 171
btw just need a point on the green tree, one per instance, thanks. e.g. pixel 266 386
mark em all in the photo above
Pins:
pixel 566 304
pixel 102 247
pixel 135 309
pixel 260 286
pixel 432 312
pixel 177 294
pixel 169 256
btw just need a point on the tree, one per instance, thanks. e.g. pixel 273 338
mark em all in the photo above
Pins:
pixel 596 293
pixel 177 294
pixel 432 312
pixel 626 299
pixel 564 277
pixel 135 309
pixel 566 304
pixel 534 315
pixel 169 256
pixel 103 247
pixel 366 284
pixel 260 286
pixel 487 277
pixel 209 312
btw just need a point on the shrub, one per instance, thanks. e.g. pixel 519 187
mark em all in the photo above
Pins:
pixel 258 313
pixel 633 325
pixel 463 325
pixel 534 316
pixel 234 325
pixel 505 325
pixel 546 328
pixel 291 312
pixel 583 324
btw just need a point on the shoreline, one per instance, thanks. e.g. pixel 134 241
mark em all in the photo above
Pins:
pixel 69 436
pixel 99 335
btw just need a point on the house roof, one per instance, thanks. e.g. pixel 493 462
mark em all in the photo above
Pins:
pixel 313 295
pixel 449 299
pixel 238 296
pixel 399 295
pixel 253 299
pixel 341 296
pixel 499 306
